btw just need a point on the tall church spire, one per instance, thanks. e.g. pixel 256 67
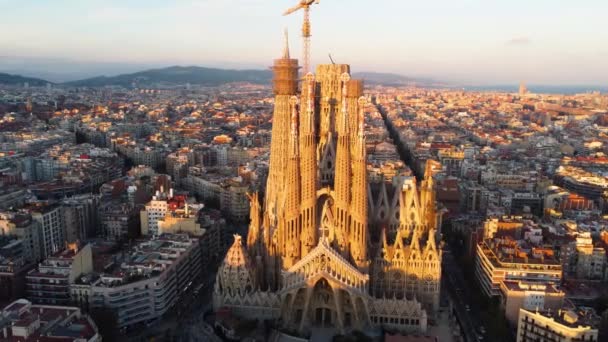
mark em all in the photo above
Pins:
pixel 286 45
pixel 358 205
pixel 285 85
pixel 291 216
pixel 343 175
pixel 308 165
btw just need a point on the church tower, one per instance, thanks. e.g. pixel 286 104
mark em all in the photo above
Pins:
pixel 285 85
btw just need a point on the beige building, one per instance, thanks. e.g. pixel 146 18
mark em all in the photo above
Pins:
pixel 199 182
pixel 308 260
pixel 517 295
pixel 21 225
pixel 154 211
pixel 183 220
pixel 233 199
pixel 167 213
pixel 50 282
pixel 506 224
pixel 583 260
pixel 554 326
pixel 499 259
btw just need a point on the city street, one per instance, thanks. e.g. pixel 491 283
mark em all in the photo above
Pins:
pixel 467 313
pixel 187 322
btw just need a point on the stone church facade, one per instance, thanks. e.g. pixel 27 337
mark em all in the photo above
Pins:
pixel 308 259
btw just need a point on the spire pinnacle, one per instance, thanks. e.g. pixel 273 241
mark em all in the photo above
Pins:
pixel 345 78
pixel 286 45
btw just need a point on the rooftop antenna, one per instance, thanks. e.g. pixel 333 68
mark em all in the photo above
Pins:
pixel 331 59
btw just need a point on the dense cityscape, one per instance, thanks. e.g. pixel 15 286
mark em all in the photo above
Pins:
pixel 307 204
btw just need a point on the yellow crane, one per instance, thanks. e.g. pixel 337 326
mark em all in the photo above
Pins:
pixel 305 5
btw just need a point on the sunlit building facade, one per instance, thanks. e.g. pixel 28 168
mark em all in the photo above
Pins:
pixel 309 259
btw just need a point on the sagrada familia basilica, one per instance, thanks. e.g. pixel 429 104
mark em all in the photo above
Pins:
pixel 309 259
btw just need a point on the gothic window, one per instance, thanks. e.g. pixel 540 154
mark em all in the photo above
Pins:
pixel 326 222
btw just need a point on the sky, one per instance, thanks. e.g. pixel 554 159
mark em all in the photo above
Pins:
pixel 478 42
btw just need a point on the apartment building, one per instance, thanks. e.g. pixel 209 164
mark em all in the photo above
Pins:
pixel 501 259
pixel 50 282
pixel 26 322
pixel 517 295
pixel 146 283
pixel 555 326
pixel 52 230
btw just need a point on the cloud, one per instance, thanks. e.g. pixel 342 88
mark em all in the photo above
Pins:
pixel 519 41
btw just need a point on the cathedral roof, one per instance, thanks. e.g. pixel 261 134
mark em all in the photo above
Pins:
pixel 236 255
pixel 235 274
pixel 323 259
pixel 324 248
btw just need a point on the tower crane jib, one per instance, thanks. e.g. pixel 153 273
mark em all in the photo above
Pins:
pixel 304 5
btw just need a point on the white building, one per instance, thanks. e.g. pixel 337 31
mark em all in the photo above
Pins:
pixel 52 231
pixel 147 283
pixel 560 326
pixel 154 211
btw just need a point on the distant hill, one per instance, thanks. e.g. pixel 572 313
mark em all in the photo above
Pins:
pixel 391 79
pixel 212 77
pixel 178 75
pixel 8 79
pixel 195 75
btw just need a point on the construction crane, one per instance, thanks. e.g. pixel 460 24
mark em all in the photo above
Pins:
pixel 305 5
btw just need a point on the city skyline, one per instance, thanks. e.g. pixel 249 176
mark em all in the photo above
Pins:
pixel 311 199
pixel 437 39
